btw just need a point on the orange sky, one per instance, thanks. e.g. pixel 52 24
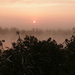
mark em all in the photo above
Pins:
pixel 48 14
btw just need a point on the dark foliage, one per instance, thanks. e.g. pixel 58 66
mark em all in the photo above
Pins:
pixel 29 56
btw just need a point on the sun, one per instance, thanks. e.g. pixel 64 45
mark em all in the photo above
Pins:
pixel 34 21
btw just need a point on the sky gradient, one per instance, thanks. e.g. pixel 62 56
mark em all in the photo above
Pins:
pixel 48 14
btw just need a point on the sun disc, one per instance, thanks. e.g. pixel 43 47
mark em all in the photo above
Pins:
pixel 34 21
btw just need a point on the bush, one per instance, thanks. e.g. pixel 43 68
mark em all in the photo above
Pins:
pixel 29 56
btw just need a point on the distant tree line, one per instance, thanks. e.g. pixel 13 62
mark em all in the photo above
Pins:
pixel 30 56
pixel 34 31
pixel 9 33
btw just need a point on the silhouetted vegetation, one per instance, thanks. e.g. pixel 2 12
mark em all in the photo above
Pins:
pixel 29 56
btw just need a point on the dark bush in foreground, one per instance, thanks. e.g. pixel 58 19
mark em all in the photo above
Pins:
pixel 29 56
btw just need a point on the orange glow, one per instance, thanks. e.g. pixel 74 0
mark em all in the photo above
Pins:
pixel 48 13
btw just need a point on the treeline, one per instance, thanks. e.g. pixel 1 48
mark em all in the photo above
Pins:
pixel 34 31
pixel 29 56
pixel 59 35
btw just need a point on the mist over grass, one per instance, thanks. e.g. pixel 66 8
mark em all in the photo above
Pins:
pixel 9 35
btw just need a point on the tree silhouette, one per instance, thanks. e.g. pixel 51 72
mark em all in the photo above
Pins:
pixel 30 56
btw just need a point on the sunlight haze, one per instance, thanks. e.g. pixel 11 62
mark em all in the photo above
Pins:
pixel 49 14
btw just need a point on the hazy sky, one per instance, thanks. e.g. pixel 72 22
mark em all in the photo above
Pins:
pixel 48 14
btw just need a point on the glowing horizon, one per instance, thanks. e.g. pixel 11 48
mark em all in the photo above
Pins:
pixel 47 13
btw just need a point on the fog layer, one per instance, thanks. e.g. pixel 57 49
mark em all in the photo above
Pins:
pixel 9 35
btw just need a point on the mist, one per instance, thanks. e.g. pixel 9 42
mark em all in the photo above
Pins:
pixel 9 35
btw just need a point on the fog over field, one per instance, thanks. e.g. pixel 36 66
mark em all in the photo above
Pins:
pixel 9 35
